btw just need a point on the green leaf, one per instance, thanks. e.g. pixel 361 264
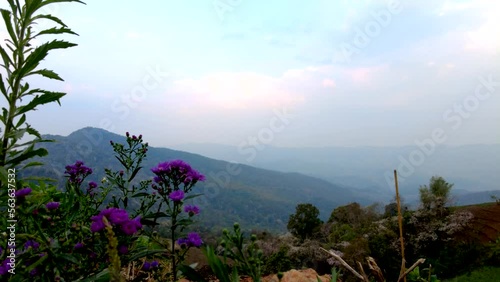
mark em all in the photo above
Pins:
pixel 3 89
pixel 192 196
pixel 102 276
pixel 34 59
pixel 21 121
pixel 47 73
pixel 55 30
pixel 141 194
pixel 45 98
pixel 69 258
pixel 145 253
pixel 48 17
pixel 30 164
pixel 40 152
pixel 5 57
pixel 190 273
pixel 8 24
pixel 134 173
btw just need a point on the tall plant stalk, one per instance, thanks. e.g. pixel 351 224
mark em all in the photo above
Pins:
pixel 22 59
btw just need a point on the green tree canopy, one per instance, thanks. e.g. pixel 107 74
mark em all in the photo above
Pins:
pixel 305 221
pixel 436 195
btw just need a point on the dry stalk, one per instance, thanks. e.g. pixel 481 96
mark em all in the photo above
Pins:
pixel 345 264
pixel 417 263
pixel 377 272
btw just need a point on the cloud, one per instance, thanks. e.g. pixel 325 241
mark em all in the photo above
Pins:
pixel 328 83
pixel 242 90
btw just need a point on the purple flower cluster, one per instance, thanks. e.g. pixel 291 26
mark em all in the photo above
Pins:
pixel 147 266
pixel 116 217
pixel 77 172
pixel 31 243
pixel 52 205
pixel 90 189
pixel 23 192
pixel 191 210
pixel 176 170
pixel 4 267
pixel 192 240
pixel 78 246
pixel 176 195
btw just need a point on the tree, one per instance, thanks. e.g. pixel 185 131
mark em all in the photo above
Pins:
pixel 436 195
pixel 305 221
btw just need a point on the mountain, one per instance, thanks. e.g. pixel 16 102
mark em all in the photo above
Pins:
pixel 471 168
pixel 255 197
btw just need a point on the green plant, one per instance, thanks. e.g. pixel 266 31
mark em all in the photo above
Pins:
pixel 335 275
pixel 278 261
pixel 21 59
pixel 245 258
pixel 305 222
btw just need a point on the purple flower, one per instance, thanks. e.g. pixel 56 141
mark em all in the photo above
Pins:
pixel 52 205
pixel 31 243
pixel 154 264
pixel 23 192
pixel 192 210
pixel 78 246
pixel 97 224
pixel 146 266
pixel 4 267
pixel 176 171
pixel 195 239
pixel 77 172
pixel 92 185
pixel 116 217
pixel 176 196
pixel 192 240
pixel 150 265
pixel 131 226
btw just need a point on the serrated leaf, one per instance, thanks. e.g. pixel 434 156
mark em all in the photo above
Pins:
pixel 45 98
pixel 6 15
pixel 48 17
pixel 47 73
pixel 21 121
pixel 5 57
pixel 55 30
pixel 38 54
pixel 40 152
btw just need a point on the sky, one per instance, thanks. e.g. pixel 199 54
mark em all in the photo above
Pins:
pixel 283 73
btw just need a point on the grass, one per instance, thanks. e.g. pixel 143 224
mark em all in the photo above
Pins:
pixel 485 274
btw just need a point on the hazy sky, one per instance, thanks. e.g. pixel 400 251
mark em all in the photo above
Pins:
pixel 281 72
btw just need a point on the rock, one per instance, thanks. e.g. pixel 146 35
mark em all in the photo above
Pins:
pixel 304 275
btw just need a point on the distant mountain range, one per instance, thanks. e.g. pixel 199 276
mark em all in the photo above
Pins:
pixel 472 168
pixel 255 197
pixel 261 192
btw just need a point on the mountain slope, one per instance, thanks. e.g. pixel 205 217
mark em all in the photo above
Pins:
pixel 255 197
pixel 470 167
